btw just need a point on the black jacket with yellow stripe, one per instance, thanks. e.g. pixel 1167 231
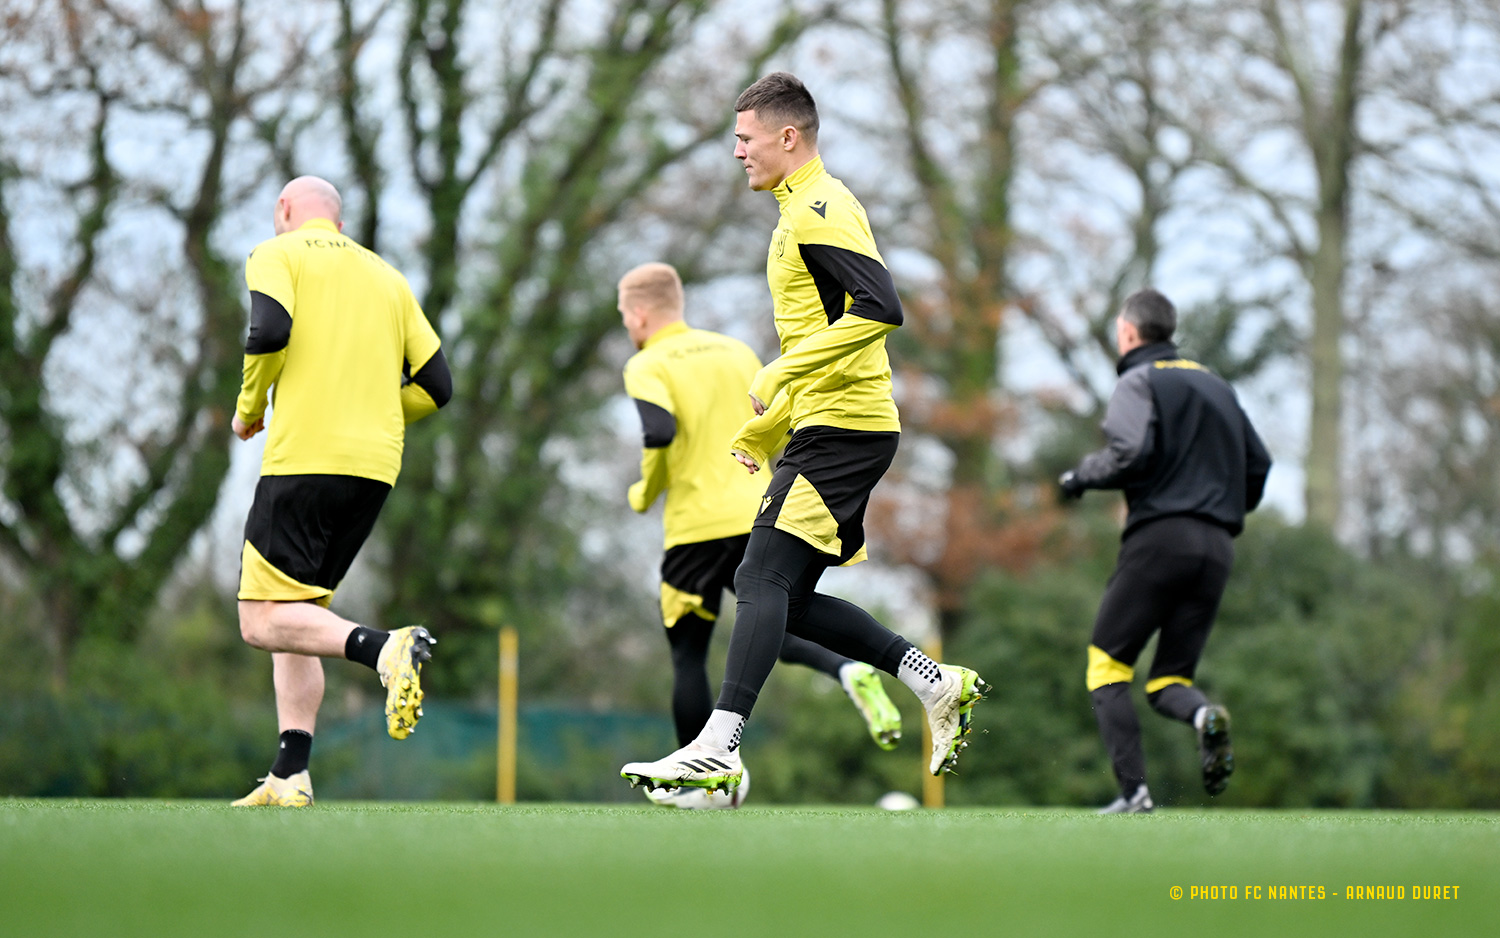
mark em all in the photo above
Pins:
pixel 1178 443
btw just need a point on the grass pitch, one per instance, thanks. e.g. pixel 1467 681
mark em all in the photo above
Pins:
pixel 160 869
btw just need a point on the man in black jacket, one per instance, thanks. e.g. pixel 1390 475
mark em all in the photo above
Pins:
pixel 1191 466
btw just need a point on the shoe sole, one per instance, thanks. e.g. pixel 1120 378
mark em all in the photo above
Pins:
pixel 974 690
pixel 403 698
pixel 296 798
pixel 1217 752
pixel 725 784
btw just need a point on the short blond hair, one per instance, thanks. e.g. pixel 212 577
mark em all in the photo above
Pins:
pixel 655 286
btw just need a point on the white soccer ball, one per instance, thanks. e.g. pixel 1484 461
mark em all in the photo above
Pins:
pixel 733 799
pixel 897 801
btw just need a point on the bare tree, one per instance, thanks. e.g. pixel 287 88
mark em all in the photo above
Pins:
pixel 536 152
pixel 1278 113
pixel 107 472
pixel 954 115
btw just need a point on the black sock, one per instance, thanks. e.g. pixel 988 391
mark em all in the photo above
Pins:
pixel 363 645
pixel 291 758
pixel 1178 702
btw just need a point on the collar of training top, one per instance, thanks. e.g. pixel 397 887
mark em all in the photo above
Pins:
pixel 1152 352
pixel 320 223
pixel 670 329
pixel 805 175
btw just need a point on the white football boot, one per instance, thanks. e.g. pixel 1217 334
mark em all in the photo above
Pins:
pixel 1138 803
pixel 701 799
pixel 693 766
pixel 948 715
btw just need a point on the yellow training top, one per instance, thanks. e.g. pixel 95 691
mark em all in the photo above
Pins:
pixel 834 302
pixel 340 407
pixel 689 387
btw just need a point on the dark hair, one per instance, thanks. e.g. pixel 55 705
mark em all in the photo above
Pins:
pixel 1152 314
pixel 779 99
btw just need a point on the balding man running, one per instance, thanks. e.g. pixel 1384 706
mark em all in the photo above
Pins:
pixel 352 359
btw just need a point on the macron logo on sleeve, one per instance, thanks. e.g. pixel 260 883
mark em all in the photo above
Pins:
pixel 821 207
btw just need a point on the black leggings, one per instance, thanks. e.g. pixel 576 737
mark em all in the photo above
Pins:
pixel 774 588
pixel 691 699
pixel 1169 578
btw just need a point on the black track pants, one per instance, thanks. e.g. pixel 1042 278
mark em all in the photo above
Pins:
pixel 774 587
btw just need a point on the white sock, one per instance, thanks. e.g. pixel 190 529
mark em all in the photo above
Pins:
pixel 1199 716
pixel 920 673
pixel 722 731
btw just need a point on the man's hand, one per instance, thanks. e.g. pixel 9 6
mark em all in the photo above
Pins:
pixel 760 408
pixel 245 430
pixel 1069 485
pixel 746 461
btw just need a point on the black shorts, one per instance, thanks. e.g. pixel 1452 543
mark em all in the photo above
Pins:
pixel 1170 576
pixel 303 533
pixel 695 576
pixel 822 486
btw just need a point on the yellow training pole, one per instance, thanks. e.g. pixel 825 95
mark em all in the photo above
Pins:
pixel 505 769
pixel 932 785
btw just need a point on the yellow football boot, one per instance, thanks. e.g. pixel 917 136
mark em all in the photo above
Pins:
pixel 400 670
pixel 273 792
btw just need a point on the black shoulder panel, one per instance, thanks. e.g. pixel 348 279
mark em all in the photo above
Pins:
pixel 434 378
pixel 658 426
pixel 839 272
pixel 270 325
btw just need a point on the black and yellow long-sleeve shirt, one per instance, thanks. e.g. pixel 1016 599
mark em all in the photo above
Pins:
pixel 334 327
pixel 834 302
pixel 689 388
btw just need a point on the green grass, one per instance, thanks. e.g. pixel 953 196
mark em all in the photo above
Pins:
pixel 150 868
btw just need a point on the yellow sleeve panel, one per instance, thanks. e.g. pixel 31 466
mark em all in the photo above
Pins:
pixel 761 437
pixel 823 268
pixel 420 340
pixel 416 403
pixel 646 375
pixel 843 339
pixel 421 343
pixel 268 271
pixel 260 373
pixel 653 481
pixel 700 379
pixel 647 379
pixel 338 406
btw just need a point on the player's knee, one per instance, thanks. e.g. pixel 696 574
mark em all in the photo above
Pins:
pixel 254 622
pixel 797 606
pixel 749 580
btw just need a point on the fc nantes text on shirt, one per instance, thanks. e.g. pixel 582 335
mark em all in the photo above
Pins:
pixel 340 412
